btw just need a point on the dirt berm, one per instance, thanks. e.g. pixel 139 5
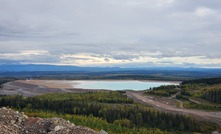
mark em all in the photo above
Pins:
pixel 14 122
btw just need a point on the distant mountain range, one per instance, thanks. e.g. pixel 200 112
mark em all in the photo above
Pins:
pixel 115 73
pixel 34 68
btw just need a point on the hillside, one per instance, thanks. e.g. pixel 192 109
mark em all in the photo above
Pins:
pixel 13 122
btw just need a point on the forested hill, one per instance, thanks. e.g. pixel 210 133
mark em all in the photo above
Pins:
pixel 208 89
pixel 75 72
pixel 209 81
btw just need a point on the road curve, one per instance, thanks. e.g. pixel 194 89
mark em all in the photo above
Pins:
pixel 210 116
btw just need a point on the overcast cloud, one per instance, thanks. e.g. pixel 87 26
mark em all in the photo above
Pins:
pixel 126 33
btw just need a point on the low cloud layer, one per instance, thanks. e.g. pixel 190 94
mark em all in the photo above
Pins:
pixel 124 33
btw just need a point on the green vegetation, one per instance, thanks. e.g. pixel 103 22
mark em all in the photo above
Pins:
pixel 111 111
pixel 192 105
pixel 208 81
pixel 213 95
pixel 165 90
pixel 201 94
pixel 119 126
pixel 104 97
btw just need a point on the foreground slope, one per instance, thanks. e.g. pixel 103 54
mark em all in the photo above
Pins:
pixel 13 122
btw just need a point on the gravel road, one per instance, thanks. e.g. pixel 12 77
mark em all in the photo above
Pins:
pixel 209 116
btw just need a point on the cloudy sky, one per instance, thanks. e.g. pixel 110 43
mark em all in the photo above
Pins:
pixel 125 33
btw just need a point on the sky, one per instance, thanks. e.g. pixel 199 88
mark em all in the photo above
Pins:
pixel 122 33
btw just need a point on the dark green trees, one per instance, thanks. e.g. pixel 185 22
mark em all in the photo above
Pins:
pixel 213 96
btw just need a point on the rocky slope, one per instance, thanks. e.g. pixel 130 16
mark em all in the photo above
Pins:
pixel 13 122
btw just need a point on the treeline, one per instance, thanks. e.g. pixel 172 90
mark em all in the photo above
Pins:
pixel 5 80
pixel 127 115
pixel 209 81
pixel 213 96
pixel 94 96
pixel 165 90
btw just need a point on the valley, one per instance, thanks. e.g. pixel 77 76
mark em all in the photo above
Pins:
pixel 166 99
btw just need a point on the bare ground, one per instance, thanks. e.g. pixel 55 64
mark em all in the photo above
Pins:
pixel 38 87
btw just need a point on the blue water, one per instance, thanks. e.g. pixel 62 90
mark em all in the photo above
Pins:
pixel 120 84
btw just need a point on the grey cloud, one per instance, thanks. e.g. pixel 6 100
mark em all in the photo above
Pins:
pixel 106 59
pixel 101 27
pixel 8 33
pixel 124 57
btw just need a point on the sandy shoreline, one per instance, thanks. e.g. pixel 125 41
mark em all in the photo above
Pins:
pixel 49 83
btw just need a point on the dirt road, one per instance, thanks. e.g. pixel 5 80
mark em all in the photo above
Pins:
pixel 210 116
